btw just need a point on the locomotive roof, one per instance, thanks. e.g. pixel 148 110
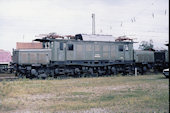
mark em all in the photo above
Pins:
pixel 96 37
pixel 85 38
pixel 73 40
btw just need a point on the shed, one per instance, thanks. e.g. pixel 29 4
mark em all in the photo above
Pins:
pixel 5 57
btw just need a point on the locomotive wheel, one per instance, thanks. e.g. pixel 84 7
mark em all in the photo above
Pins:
pixel 20 75
pixel 114 70
pixel 95 75
pixel 91 70
pixel 42 76
pixel 144 68
pixel 84 75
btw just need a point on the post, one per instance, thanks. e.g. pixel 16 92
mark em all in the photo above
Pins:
pixel 93 23
pixel 136 71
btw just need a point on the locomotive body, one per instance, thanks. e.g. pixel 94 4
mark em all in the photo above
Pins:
pixel 91 50
pixel 156 60
pixel 144 60
pixel 74 58
pixel 32 56
pixel 144 56
pixel 78 57
pixel 161 60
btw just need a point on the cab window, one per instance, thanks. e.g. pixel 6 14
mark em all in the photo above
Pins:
pixel 61 45
pixel 120 48
pixel 70 47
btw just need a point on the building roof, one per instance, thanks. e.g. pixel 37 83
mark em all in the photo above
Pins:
pixel 5 56
pixel 28 45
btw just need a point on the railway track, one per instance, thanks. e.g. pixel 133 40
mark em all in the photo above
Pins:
pixel 7 77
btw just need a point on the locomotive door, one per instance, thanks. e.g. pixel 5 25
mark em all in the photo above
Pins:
pixel 97 52
pixel 61 51
pixel 126 53
pixel 121 53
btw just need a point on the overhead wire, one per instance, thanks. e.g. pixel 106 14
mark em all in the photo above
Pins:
pixel 139 14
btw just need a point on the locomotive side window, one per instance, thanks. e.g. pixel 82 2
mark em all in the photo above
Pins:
pixel 51 44
pixel 70 47
pixel 126 47
pixel 61 45
pixel 120 47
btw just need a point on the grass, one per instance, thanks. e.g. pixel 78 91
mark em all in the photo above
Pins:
pixel 147 93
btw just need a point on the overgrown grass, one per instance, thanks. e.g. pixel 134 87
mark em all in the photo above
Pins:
pixel 148 93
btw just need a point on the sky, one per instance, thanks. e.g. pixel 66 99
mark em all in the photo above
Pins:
pixel 142 20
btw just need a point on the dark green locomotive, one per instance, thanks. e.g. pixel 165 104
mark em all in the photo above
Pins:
pixel 81 56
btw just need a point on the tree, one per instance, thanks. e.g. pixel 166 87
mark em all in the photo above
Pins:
pixel 145 45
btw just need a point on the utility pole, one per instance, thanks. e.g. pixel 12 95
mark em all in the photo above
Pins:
pixel 93 24
pixel 23 37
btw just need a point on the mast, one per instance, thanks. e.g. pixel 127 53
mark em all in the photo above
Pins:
pixel 93 24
